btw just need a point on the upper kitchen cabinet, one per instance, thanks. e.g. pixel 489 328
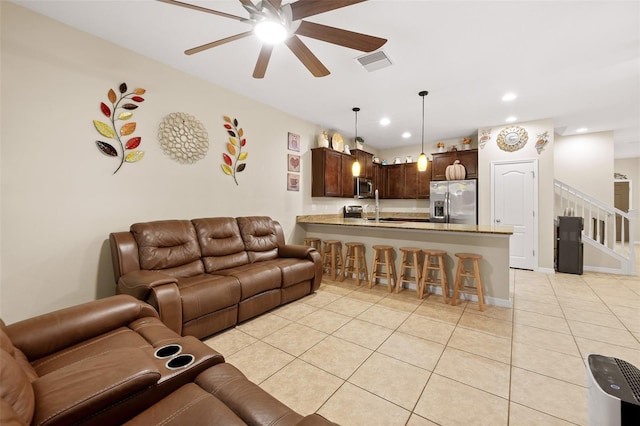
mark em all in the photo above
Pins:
pixel 348 181
pixel 331 173
pixel 468 158
pixel 366 162
pixel 405 181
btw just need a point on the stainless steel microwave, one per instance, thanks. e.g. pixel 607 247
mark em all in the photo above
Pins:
pixel 363 188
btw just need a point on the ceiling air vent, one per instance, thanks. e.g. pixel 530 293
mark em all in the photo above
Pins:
pixel 374 61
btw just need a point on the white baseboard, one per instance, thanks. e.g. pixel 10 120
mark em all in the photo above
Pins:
pixel 504 303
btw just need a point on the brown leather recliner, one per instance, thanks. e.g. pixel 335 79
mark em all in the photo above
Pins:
pixel 107 362
pixel 92 363
pixel 205 275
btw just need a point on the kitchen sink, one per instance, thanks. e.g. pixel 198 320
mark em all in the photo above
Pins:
pixel 399 219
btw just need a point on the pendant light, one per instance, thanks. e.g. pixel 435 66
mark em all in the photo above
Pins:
pixel 422 159
pixel 355 169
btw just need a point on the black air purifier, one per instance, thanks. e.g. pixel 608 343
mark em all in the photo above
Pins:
pixel 569 257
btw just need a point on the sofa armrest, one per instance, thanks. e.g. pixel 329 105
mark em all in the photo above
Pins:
pixel 297 251
pixel 139 283
pixel 158 289
pixel 48 333
pixel 72 393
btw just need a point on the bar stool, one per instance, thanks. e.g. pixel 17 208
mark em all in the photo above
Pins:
pixel 434 272
pixel 313 242
pixel 410 262
pixel 332 257
pixel 460 287
pixel 354 262
pixel 380 252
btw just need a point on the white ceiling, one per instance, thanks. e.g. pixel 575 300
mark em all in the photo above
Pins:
pixel 576 62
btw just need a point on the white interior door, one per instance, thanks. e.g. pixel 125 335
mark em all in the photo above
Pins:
pixel 514 192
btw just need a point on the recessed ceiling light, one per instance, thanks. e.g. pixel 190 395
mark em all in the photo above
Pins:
pixel 406 135
pixel 385 121
pixel 509 96
pixel 581 130
pixel 511 119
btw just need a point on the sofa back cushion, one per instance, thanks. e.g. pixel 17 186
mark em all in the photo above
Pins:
pixel 259 236
pixel 170 246
pixel 220 243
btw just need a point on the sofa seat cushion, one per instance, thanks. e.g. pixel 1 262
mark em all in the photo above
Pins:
pixel 294 271
pixel 255 278
pixel 189 405
pixel 122 337
pixel 203 294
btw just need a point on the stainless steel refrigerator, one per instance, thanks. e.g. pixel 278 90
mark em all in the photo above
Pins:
pixel 454 201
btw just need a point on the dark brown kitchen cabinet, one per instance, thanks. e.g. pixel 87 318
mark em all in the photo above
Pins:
pixel 379 179
pixel 424 182
pixel 327 173
pixel 348 181
pixel 441 160
pixel 394 187
pixel 405 181
pixel 366 163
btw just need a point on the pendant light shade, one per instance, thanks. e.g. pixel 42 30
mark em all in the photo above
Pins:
pixel 355 169
pixel 422 159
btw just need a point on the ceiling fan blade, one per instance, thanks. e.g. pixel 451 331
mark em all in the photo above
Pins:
pixel 203 9
pixel 307 58
pixel 263 61
pixel 353 40
pixel 305 8
pixel 217 43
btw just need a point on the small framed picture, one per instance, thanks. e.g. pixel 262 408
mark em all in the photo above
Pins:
pixel 293 182
pixel 294 142
pixel 293 163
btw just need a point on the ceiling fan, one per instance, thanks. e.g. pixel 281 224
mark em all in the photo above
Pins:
pixel 288 20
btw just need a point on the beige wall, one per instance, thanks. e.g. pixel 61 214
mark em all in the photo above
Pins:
pixel 585 162
pixel 60 199
pixel 492 153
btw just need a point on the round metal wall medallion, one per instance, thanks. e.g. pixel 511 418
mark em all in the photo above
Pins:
pixel 512 138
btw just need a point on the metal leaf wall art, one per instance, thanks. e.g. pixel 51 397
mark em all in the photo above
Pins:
pixel 120 109
pixel 234 155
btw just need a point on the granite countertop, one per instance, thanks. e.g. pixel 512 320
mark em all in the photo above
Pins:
pixel 397 223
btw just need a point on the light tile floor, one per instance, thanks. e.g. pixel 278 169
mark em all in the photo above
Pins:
pixel 367 357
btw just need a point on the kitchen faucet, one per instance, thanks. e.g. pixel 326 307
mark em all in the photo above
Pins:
pixel 377 207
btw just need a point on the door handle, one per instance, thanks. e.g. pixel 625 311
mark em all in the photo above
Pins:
pixel 497 220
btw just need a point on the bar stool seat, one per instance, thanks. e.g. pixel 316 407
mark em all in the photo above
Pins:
pixel 470 274
pixel 332 257
pixel 316 243
pixel 383 258
pixel 434 272
pixel 354 262
pixel 410 263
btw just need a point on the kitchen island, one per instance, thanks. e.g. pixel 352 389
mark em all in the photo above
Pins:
pixel 492 242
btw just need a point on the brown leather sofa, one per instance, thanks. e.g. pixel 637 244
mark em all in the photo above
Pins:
pixel 205 275
pixel 106 362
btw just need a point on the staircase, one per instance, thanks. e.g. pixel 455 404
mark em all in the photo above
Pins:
pixel 607 229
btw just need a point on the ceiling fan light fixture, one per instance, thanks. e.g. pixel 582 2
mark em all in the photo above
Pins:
pixel 270 32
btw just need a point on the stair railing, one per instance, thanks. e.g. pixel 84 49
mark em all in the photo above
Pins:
pixel 606 226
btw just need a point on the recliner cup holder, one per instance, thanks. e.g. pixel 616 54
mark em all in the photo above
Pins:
pixel 180 361
pixel 167 351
